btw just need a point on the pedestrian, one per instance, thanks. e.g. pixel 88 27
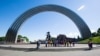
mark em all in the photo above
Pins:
pixel 90 44
pixel 46 43
pixel 65 43
pixel 51 42
pixel 38 44
pixel 73 43
pixel 70 42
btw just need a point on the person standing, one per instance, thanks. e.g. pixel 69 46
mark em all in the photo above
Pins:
pixel 73 43
pixel 65 43
pixel 90 44
pixel 46 43
pixel 38 44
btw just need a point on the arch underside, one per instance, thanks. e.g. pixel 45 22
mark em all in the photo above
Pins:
pixel 81 25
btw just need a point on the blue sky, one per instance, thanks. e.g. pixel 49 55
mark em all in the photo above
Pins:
pixel 36 27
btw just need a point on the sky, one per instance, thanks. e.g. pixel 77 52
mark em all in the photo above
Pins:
pixel 37 26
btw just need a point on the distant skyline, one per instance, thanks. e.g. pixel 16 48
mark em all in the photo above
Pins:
pixel 36 27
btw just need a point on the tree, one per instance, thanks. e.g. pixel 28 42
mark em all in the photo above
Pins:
pixel 26 38
pixel 94 34
pixel 20 37
pixel 53 38
pixel 78 37
pixel 2 38
pixel 98 32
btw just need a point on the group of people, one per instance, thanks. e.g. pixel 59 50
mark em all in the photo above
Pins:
pixel 68 44
pixel 56 43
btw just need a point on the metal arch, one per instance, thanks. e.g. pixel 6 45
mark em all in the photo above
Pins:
pixel 82 26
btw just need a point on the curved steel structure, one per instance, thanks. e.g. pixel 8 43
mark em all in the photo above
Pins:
pixel 12 31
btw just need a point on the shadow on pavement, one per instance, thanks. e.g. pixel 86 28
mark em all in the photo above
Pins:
pixel 55 50
pixel 44 49
pixel 16 48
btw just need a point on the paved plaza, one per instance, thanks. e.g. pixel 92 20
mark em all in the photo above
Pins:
pixel 28 50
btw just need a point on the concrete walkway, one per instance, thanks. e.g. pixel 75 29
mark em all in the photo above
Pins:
pixel 43 48
pixel 28 50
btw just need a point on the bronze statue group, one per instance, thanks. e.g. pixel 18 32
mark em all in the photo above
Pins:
pixel 61 40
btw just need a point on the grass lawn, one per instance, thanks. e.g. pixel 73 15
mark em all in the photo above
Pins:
pixel 95 40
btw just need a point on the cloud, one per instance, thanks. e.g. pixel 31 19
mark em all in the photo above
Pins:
pixel 73 34
pixel 93 30
pixel 81 7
